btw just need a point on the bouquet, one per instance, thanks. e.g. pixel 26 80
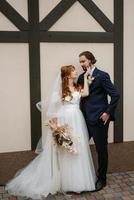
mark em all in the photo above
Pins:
pixel 62 136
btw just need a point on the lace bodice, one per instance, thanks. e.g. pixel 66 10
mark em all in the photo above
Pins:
pixel 75 100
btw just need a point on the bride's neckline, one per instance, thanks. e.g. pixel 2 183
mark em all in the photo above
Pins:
pixel 74 92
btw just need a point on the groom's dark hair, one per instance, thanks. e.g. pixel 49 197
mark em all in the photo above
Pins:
pixel 89 56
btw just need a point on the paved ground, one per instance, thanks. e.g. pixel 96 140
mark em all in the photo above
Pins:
pixel 120 186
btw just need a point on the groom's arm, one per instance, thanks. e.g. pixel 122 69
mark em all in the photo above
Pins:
pixel 112 92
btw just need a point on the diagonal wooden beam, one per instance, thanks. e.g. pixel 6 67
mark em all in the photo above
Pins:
pixel 55 14
pixel 14 36
pixel 98 15
pixel 80 37
pixel 13 16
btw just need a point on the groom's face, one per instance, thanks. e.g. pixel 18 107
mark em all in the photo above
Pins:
pixel 84 62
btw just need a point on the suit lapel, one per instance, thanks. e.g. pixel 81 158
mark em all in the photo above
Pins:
pixel 95 72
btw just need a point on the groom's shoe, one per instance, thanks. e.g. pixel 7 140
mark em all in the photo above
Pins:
pixel 99 185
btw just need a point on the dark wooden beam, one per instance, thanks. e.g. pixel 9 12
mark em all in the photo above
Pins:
pixel 13 15
pixel 118 67
pixel 34 61
pixel 83 37
pixel 98 15
pixel 13 37
pixel 55 14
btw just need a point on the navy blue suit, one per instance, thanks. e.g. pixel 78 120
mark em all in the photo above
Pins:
pixel 93 106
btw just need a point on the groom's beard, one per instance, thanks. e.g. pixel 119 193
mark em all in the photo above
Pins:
pixel 85 68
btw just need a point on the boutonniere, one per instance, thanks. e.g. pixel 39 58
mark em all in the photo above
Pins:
pixel 90 79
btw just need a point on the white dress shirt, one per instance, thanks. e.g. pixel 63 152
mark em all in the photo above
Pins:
pixel 91 71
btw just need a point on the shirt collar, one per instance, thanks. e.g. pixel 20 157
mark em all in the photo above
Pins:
pixel 93 68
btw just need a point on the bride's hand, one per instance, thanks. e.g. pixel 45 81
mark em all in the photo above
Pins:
pixel 53 124
pixel 87 72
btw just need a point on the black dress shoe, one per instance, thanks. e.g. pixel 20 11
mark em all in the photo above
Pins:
pixel 99 185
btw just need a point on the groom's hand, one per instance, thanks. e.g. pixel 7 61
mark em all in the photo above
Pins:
pixel 105 117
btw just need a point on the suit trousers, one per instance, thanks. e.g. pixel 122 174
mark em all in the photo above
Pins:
pixel 99 132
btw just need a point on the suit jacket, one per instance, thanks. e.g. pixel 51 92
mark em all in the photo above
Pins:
pixel 94 105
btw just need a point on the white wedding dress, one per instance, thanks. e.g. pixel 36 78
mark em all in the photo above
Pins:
pixel 55 171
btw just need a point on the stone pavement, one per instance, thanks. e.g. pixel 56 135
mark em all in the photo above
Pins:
pixel 120 186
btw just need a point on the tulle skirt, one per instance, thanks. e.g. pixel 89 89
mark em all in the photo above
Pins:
pixel 55 170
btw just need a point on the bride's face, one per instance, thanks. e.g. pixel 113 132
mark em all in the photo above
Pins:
pixel 74 74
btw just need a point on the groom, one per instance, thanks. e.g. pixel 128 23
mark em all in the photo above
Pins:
pixel 97 111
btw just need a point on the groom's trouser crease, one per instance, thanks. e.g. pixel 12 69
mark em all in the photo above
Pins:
pixel 99 132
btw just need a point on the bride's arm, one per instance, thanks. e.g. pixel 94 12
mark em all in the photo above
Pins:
pixel 85 90
pixel 53 125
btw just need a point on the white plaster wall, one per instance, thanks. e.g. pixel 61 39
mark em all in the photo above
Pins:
pixel 75 19
pixel 14 98
pixel 15 134
pixel 21 6
pixel 6 25
pixel 128 70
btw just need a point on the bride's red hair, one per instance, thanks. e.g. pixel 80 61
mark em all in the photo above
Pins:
pixel 65 73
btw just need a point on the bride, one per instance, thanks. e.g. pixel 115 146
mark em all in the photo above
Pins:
pixel 60 168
